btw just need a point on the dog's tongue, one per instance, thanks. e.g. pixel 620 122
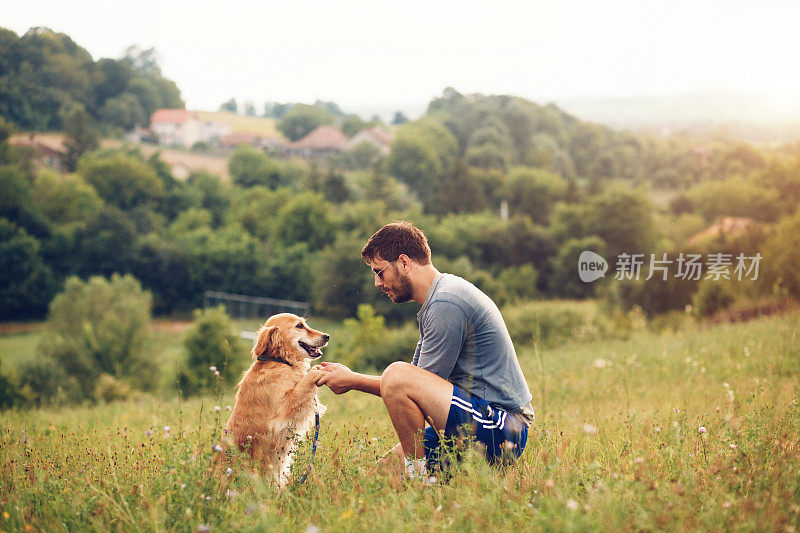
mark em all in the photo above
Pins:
pixel 315 352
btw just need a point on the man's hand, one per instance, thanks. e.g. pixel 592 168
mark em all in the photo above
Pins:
pixel 336 376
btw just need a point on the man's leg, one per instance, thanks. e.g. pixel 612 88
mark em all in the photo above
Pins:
pixel 412 396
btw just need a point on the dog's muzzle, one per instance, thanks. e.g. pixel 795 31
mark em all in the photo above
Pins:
pixel 312 351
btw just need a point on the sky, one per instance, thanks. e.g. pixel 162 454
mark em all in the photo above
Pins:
pixel 380 55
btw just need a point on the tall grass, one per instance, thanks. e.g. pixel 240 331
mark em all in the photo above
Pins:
pixel 616 445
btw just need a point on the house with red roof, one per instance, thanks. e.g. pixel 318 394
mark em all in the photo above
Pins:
pixel 323 140
pixel 375 135
pixel 179 127
pixel 730 226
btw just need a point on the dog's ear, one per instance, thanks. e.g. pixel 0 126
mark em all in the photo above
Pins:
pixel 266 341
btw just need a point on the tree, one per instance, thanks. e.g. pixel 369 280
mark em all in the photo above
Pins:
pixel 781 257
pixel 334 187
pixel 165 268
pixel 305 218
pixel 68 201
pixel 363 155
pixel 6 151
pixel 100 326
pixel 79 134
pixel 301 119
pixel 534 192
pixel 230 106
pixel 9 392
pixel 460 190
pixel 121 179
pixel 516 242
pixel 352 124
pixel 26 282
pixel 250 166
pixel 17 203
pixel 490 146
pixel 249 109
pixel 736 197
pixel 336 295
pixel 565 282
pixel 212 342
pixel 422 153
pixel 399 118
pixel 623 218
pixel 105 245
pixel 124 111
pixel 143 60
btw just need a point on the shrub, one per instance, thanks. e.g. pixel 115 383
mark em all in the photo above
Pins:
pixel 367 344
pixel 554 322
pixel 43 381
pixel 99 326
pixel 109 389
pixel 212 341
pixel 711 296
pixel 520 282
pixel 9 391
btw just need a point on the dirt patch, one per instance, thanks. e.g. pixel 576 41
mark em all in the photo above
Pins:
pixel 753 311
pixel 171 326
pixel 190 161
pixel 13 328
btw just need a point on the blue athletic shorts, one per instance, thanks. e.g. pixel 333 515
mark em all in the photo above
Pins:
pixel 503 434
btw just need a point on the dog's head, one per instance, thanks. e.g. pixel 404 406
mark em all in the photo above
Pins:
pixel 287 337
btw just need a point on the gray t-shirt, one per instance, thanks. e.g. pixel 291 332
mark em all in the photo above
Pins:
pixel 463 339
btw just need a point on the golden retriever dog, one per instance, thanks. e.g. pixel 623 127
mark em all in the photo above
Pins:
pixel 276 400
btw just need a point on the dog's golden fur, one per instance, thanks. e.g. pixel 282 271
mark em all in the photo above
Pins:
pixel 276 399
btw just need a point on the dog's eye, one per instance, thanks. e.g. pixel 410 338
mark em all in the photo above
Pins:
pixel 300 325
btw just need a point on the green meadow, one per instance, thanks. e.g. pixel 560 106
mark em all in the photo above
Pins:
pixel 693 428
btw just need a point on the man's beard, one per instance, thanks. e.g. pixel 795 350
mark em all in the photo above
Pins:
pixel 403 292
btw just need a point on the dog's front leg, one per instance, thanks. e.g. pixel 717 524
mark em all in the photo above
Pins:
pixel 301 400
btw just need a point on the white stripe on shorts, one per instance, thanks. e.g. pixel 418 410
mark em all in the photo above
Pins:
pixel 487 424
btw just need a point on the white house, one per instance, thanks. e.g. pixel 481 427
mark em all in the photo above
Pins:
pixel 179 127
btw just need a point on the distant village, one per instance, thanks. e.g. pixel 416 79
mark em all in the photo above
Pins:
pixel 179 130
pixel 182 128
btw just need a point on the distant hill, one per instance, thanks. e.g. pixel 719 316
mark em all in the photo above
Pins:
pixel 752 117
pixel 265 127
pixel 44 73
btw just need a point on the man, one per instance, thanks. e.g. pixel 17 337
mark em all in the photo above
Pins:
pixel 465 370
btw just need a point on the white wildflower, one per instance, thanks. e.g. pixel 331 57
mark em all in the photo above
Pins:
pixel 572 505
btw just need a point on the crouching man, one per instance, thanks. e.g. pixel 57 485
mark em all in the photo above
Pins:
pixel 465 373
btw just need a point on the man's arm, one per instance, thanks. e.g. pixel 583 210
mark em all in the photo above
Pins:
pixel 341 379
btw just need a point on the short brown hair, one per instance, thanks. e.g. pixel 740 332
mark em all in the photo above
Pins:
pixel 398 238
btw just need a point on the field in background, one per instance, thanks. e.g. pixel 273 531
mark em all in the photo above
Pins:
pixel 191 161
pixel 617 445
pixel 265 127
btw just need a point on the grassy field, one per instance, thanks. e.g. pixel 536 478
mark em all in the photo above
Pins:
pixel 264 127
pixel 617 445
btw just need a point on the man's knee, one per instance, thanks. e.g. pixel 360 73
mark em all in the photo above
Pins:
pixel 395 378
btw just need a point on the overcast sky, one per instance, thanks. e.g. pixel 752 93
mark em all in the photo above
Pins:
pixel 363 54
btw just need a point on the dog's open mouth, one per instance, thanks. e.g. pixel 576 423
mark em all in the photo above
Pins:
pixel 313 351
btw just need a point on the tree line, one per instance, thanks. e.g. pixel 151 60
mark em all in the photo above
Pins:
pixel 44 75
pixel 292 229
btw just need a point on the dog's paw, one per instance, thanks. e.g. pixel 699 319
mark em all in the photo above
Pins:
pixel 313 375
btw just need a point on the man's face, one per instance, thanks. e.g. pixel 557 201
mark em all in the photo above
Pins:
pixel 392 280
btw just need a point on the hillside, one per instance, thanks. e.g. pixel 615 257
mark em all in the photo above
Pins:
pixel 265 127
